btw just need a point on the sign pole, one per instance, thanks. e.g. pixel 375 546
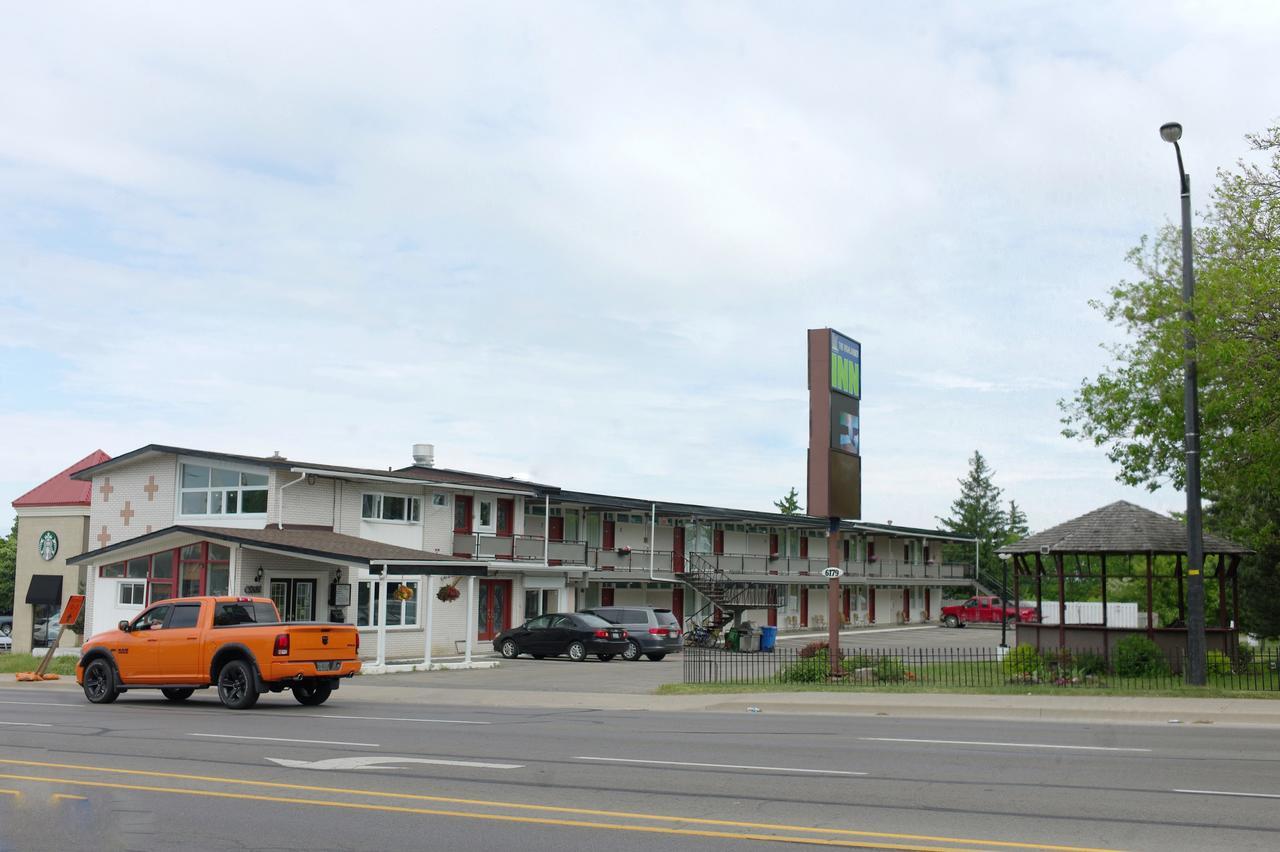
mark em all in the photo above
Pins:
pixel 833 597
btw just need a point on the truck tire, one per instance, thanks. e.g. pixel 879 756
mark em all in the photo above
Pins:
pixel 313 694
pixel 100 682
pixel 951 621
pixel 236 687
pixel 177 694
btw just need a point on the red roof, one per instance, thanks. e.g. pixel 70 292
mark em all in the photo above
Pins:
pixel 62 490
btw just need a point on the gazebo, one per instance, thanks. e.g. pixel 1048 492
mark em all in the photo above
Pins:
pixel 1122 530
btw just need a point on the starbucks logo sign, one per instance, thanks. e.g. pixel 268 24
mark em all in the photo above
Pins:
pixel 48 545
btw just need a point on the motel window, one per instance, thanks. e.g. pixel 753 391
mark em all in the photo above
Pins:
pixel 197 569
pixel 208 490
pixel 390 507
pixel 439 500
pixel 400 613
pixel 486 514
pixel 132 594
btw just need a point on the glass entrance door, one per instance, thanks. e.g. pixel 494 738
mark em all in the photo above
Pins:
pixel 295 598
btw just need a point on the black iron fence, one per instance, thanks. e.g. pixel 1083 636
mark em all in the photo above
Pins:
pixel 1133 667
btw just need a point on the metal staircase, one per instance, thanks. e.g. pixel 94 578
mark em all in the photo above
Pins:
pixel 726 598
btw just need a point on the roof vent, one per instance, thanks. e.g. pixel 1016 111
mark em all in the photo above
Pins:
pixel 275 456
pixel 424 455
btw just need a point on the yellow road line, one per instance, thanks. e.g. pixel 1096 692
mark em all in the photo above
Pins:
pixel 842 832
pixel 528 820
pixel 11 792
pixel 68 797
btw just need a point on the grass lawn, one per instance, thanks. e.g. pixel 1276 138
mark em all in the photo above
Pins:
pixel 1001 689
pixel 28 663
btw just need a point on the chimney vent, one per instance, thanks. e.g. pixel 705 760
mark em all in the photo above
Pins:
pixel 275 456
pixel 424 455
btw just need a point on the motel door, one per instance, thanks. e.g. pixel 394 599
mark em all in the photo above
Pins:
pixel 494 603
pixel 295 598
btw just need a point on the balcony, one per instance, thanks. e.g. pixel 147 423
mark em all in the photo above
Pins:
pixel 522 548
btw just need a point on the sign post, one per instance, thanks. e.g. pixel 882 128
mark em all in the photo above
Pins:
pixel 835 456
pixel 70 613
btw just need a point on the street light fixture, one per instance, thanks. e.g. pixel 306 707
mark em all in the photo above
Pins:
pixel 1196 662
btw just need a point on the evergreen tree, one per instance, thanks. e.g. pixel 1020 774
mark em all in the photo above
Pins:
pixel 979 512
pixel 790 503
pixel 1015 524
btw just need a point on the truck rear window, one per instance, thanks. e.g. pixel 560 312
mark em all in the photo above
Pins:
pixel 229 614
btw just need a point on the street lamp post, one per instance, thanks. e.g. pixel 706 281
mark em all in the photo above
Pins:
pixel 1196 663
pixel 1004 600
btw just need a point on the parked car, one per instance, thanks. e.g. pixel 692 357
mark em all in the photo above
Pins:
pixel 578 634
pixel 237 644
pixel 653 633
pixel 6 625
pixel 6 644
pixel 985 608
pixel 46 630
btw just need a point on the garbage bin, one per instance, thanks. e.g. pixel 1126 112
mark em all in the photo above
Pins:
pixel 768 638
pixel 731 640
pixel 750 642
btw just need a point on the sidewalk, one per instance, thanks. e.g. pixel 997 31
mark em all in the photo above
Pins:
pixel 418 689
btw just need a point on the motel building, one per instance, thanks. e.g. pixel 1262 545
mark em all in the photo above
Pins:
pixel 375 547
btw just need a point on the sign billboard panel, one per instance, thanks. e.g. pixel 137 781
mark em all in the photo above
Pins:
pixel 835 427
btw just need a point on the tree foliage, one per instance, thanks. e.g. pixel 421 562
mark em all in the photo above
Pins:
pixel 790 503
pixel 8 566
pixel 979 512
pixel 1133 409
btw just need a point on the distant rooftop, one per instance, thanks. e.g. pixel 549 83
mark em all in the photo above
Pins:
pixel 62 489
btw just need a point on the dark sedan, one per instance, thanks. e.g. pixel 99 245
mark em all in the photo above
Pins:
pixel 577 634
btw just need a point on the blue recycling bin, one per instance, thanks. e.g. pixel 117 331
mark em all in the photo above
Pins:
pixel 768 637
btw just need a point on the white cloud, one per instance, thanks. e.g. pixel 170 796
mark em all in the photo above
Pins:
pixel 583 242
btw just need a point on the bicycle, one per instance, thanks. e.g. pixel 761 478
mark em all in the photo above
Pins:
pixel 701 636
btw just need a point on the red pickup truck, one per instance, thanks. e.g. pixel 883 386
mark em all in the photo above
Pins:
pixel 238 645
pixel 984 608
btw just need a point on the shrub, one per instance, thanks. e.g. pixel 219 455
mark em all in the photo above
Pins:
pixel 813 649
pixel 816 669
pixel 1218 663
pixel 1090 664
pixel 890 670
pixel 1022 662
pixel 1138 656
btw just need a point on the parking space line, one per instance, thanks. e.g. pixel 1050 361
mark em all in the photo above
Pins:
pixel 1002 745
pixel 1225 793
pixel 31 724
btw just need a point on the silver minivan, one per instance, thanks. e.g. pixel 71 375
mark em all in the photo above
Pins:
pixel 654 633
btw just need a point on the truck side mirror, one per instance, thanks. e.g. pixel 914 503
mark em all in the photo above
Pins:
pixel 124 626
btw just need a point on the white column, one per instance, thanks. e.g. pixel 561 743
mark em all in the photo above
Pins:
pixel 546 529
pixel 430 598
pixel 471 617
pixel 382 617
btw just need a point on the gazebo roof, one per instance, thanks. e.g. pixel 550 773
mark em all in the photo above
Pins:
pixel 1120 527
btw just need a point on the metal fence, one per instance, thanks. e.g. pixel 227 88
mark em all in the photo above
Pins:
pixel 978 667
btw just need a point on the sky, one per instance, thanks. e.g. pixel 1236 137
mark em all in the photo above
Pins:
pixel 581 242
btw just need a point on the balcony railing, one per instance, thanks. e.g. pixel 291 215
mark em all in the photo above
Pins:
pixel 529 548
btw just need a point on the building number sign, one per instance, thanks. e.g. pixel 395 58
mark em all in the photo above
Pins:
pixel 48 545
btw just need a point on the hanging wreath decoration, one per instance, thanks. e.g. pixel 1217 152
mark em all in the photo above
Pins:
pixel 449 592
pixel 403 592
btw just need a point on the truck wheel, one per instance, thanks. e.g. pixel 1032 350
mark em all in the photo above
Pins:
pixel 174 694
pixel 236 688
pixel 100 683
pixel 951 621
pixel 313 694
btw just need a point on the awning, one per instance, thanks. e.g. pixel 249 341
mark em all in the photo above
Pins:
pixel 45 589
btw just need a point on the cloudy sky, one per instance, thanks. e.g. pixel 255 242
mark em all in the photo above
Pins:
pixel 581 242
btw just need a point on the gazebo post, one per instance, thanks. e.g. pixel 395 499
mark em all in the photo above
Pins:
pixel 1058 563
pixel 1039 596
pixel 1106 631
pixel 1222 592
pixel 1017 596
pixel 1182 603
pixel 1235 602
pixel 1151 617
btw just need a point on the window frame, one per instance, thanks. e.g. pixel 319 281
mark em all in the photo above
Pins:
pixel 131 585
pixel 371 620
pixel 413 507
pixel 205 563
pixel 222 490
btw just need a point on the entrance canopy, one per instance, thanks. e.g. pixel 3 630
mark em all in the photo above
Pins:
pixel 45 589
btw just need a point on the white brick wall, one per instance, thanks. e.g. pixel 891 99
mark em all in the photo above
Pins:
pixel 125 496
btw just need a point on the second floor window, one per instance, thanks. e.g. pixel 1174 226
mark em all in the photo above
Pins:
pixel 208 490
pixel 390 507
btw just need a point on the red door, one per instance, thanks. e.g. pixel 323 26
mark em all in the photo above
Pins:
pixel 505 526
pixel 773 544
pixel 606 536
pixel 493 601
pixel 906 604
pixel 804 606
pixel 606 596
pixel 871 605
pixel 462 525
pixel 555 531
pixel 677 605
pixel 804 547
pixel 846 604
pixel 717 542
pixel 677 547
pixel 927 610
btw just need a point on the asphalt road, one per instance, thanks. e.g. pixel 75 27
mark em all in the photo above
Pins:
pixel 358 773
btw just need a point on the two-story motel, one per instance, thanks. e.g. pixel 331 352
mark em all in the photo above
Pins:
pixel 374 547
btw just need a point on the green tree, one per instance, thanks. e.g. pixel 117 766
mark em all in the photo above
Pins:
pixel 790 503
pixel 1133 409
pixel 978 512
pixel 1015 524
pixel 8 567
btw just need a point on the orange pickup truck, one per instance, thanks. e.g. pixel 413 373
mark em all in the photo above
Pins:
pixel 238 645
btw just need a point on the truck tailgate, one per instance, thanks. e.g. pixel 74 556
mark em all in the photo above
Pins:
pixel 322 641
